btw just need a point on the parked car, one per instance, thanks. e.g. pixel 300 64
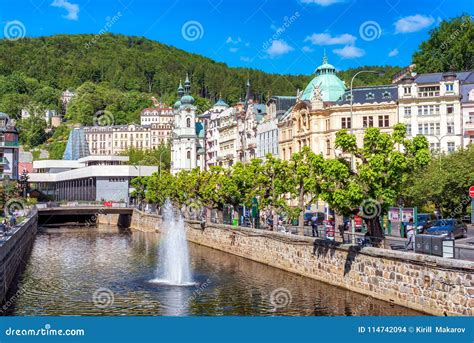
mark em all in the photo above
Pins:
pixel 451 227
pixel 424 221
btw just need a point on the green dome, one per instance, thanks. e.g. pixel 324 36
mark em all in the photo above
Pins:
pixel 187 100
pixel 177 104
pixel 332 87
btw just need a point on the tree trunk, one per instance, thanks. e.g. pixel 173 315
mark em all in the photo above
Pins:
pixel 302 208
pixel 374 228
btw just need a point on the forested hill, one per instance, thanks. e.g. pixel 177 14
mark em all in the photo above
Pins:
pixel 132 63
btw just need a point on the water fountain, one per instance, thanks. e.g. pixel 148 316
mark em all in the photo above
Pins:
pixel 173 268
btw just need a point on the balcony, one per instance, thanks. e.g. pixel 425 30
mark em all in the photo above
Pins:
pixel 469 128
pixel 9 144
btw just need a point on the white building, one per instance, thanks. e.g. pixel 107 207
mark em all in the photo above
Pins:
pixel 213 116
pixel 228 138
pixel 187 150
pixel 92 178
pixel 160 114
pixel 267 129
pixel 430 105
pixel 467 108
pixel 66 97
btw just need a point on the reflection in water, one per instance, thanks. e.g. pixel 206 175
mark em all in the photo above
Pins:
pixel 67 266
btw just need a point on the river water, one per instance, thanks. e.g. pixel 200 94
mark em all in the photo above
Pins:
pixel 107 271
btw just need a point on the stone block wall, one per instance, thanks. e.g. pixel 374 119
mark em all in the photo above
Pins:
pixel 13 252
pixel 425 283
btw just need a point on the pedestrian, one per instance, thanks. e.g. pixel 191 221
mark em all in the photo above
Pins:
pixel 314 225
pixel 410 230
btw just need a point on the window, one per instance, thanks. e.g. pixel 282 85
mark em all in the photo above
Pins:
pixel 432 128
pixel 367 121
pixel 188 122
pixel 425 110
pixel 436 109
pixel 449 87
pixel 420 110
pixel 188 155
pixel 425 129
pixel 406 90
pixel 407 111
pixel 328 147
pixel 450 146
pixel 437 130
pixel 420 129
pixel 370 96
pixel 409 129
pixel 450 128
pixel 384 121
pixel 346 123
pixel 386 95
pixel 449 109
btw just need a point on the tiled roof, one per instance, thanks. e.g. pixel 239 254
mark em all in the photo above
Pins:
pixel 372 94
pixel 463 76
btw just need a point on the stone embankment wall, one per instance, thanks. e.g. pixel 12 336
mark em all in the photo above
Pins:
pixel 425 283
pixel 14 251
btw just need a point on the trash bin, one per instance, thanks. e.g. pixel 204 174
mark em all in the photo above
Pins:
pixel 235 222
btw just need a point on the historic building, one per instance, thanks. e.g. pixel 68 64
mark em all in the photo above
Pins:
pixel 267 129
pixel 160 114
pixel 228 138
pixel 430 105
pixel 309 117
pixel 467 108
pixel 325 107
pixel 187 149
pixel 212 119
pixel 9 148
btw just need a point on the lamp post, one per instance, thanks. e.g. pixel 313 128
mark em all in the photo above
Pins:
pixel 378 72
pixel 440 149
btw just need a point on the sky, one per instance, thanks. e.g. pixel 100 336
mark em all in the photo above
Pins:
pixel 277 36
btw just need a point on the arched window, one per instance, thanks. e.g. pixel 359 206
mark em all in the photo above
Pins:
pixel 188 122
pixel 188 154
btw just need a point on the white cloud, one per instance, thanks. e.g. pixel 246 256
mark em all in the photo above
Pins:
pixel 72 9
pixel 279 47
pixel 349 51
pixel 307 49
pixel 233 49
pixel 322 2
pixel 327 39
pixel 245 58
pixel 413 23
pixel 230 40
pixel 393 53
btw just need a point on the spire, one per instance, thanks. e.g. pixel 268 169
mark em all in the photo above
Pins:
pixel 187 85
pixel 180 89
pixel 325 58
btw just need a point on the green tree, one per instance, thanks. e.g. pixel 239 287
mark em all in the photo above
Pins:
pixel 382 165
pixel 448 48
pixel 32 130
pixel 444 183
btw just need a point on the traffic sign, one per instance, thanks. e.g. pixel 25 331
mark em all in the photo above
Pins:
pixel 471 192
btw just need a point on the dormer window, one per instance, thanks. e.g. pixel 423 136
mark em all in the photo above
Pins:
pixel 348 97
pixel 449 87
pixel 386 95
pixel 406 90
pixel 370 96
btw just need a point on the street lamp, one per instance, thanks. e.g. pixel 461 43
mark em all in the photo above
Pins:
pixel 440 149
pixel 378 72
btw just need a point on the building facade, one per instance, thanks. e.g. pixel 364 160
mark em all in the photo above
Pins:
pixel 212 141
pixel 430 105
pixel 267 129
pixel 158 115
pixel 9 148
pixel 467 109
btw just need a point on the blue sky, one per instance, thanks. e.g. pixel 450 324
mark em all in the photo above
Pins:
pixel 279 36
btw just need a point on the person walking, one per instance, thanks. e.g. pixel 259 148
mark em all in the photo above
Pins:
pixel 314 225
pixel 410 230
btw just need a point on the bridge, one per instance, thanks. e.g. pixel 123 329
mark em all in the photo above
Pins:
pixel 80 214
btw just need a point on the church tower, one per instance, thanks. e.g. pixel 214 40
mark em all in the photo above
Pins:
pixel 186 141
